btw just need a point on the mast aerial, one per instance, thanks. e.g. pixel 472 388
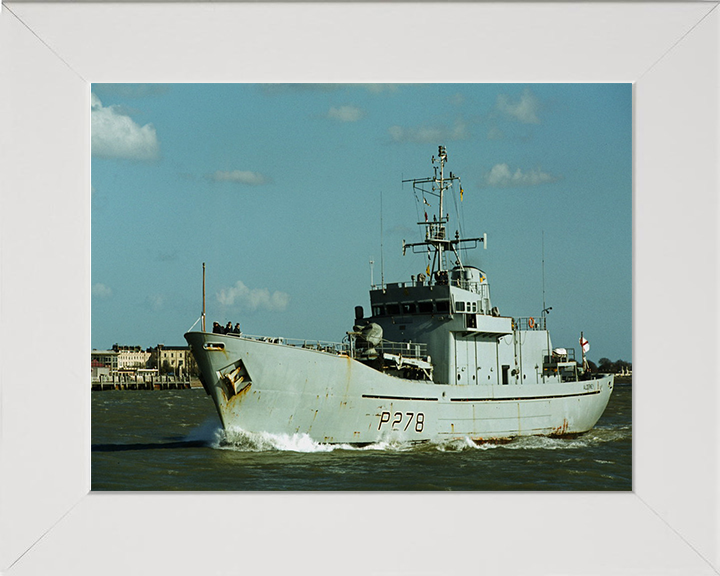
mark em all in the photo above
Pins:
pixel 435 231
pixel 203 308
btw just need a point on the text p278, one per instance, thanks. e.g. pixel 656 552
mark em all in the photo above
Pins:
pixel 402 421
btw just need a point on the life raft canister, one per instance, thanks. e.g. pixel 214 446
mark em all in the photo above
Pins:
pixel 531 322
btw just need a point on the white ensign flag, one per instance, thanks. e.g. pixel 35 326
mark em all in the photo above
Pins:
pixel 585 345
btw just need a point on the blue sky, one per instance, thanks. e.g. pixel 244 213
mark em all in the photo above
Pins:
pixel 278 189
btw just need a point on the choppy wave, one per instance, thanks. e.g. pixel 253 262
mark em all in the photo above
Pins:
pixel 207 432
pixel 240 440
pixel 243 441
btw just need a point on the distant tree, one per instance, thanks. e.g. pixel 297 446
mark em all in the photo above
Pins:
pixel 622 366
pixel 608 366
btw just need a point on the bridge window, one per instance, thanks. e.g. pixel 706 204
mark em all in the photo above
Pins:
pixel 378 310
pixel 459 306
pixel 393 309
pixel 425 307
pixel 443 306
pixel 408 308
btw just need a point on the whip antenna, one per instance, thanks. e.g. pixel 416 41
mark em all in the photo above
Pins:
pixel 382 262
pixel 543 270
pixel 203 310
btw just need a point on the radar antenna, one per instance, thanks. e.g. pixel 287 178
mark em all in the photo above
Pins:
pixel 436 236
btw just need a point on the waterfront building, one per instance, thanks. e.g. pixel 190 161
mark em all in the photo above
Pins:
pixel 132 362
pixel 103 363
pixel 175 359
pixel 131 357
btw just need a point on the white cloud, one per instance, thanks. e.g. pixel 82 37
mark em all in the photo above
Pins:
pixel 429 134
pixel 156 302
pixel 253 298
pixel 101 291
pixel 346 113
pixel 525 109
pixel 240 176
pixel 116 135
pixel 502 176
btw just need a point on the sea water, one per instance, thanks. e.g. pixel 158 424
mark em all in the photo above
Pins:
pixel 172 440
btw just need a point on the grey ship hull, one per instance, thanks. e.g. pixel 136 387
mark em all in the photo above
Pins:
pixel 263 386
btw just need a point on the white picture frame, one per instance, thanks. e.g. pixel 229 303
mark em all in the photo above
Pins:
pixel 49 55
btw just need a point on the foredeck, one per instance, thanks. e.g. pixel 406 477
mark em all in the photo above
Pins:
pixel 404 349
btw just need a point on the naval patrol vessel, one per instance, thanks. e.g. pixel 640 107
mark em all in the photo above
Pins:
pixel 433 361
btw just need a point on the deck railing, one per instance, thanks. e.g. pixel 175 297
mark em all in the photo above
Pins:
pixel 550 356
pixel 321 345
pixel 480 288
pixel 529 323
pixel 405 349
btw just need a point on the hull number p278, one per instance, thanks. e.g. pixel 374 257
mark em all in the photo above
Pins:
pixel 418 418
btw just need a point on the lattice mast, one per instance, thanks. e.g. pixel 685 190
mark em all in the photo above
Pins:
pixel 436 240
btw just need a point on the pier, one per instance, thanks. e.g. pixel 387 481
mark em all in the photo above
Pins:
pixel 144 383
